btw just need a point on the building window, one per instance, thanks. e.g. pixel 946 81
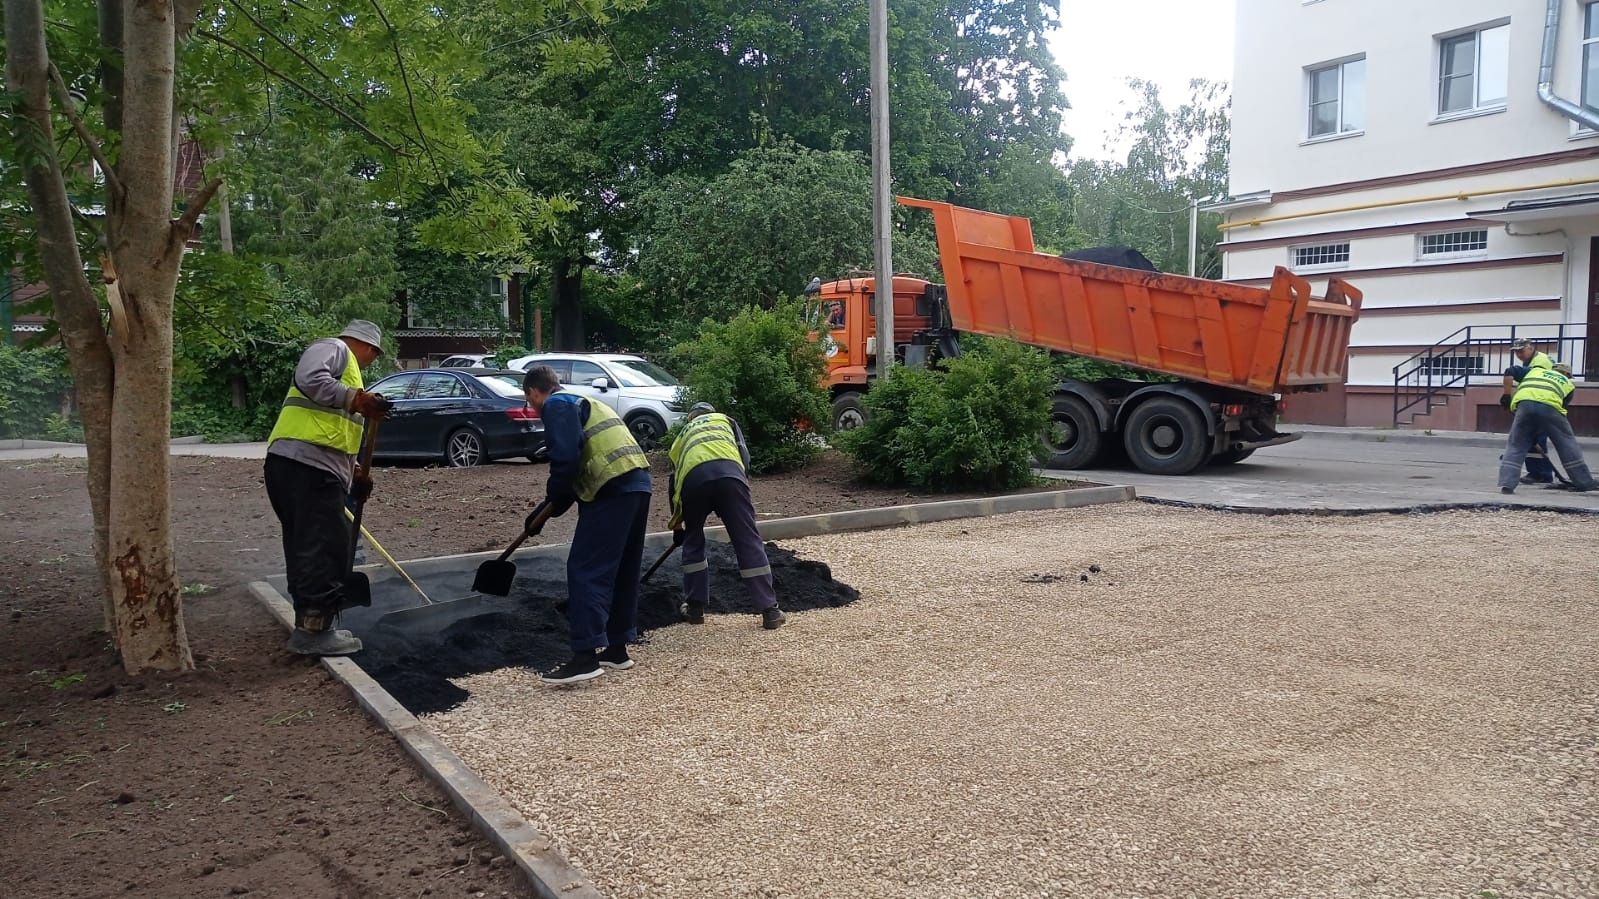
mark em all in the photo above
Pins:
pixel 1474 70
pixel 1337 95
pixel 1322 255
pixel 1590 57
pixel 1453 366
pixel 1452 244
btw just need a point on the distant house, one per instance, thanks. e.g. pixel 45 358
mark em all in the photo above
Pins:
pixel 1434 154
pixel 425 341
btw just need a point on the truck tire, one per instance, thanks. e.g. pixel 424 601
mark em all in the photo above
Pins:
pixel 1166 435
pixel 1231 457
pixel 1073 439
pixel 849 412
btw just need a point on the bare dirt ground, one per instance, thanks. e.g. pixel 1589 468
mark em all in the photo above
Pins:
pixel 1116 701
pixel 255 774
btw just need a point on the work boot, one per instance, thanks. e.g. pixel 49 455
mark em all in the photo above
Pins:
pixel 772 618
pixel 616 658
pixel 583 666
pixel 329 642
pixel 693 612
pixel 1507 490
pixel 1529 479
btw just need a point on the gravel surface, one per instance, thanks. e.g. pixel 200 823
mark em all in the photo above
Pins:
pixel 1228 706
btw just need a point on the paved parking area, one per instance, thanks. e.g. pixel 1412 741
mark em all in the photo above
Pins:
pixel 1329 470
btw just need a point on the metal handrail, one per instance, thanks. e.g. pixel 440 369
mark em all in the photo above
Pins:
pixel 1418 379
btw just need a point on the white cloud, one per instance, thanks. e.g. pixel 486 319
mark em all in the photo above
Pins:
pixel 1102 43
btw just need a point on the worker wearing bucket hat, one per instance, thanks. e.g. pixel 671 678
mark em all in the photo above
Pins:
pixel 1528 357
pixel 311 473
pixel 709 459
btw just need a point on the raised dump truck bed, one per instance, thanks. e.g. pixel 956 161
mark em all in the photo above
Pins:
pixel 1234 349
pixel 1277 339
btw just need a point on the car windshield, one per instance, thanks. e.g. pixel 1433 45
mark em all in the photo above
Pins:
pixel 639 373
pixel 502 385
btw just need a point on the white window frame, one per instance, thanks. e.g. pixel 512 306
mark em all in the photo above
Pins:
pixel 1478 105
pixel 1590 56
pixel 1423 256
pixel 1343 100
pixel 1295 266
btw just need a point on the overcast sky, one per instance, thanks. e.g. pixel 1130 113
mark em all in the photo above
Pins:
pixel 1102 43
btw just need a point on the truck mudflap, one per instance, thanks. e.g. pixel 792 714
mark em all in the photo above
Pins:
pixel 1274 440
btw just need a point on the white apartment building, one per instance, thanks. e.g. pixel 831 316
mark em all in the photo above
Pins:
pixel 1443 157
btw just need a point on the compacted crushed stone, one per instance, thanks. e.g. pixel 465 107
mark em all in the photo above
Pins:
pixel 417 665
pixel 1230 706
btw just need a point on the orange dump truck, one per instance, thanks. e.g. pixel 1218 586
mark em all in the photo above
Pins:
pixel 1235 350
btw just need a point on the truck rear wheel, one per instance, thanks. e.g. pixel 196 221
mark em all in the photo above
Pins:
pixel 1166 435
pixel 849 411
pixel 1073 439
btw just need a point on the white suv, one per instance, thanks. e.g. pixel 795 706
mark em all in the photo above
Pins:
pixel 643 393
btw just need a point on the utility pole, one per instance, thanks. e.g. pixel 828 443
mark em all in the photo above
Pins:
pixel 882 198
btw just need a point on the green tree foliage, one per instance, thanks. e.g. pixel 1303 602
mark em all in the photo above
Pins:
pixel 759 231
pixel 1174 156
pixel 974 425
pixel 35 382
pixel 763 369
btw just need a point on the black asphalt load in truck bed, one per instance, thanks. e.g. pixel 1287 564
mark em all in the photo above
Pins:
pixel 416 664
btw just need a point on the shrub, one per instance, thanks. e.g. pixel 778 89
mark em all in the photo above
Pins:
pixel 973 425
pixel 35 383
pixel 763 369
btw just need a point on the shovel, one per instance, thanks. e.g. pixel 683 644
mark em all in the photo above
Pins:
pixel 677 540
pixel 495 577
pixel 357 588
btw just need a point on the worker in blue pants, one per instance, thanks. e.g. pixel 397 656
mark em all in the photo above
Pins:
pixel 595 463
pixel 709 459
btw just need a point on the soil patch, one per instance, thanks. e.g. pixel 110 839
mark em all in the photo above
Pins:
pixel 416 664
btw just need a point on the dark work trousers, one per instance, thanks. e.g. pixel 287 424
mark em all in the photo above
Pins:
pixel 1539 468
pixel 309 503
pixel 730 499
pixel 602 570
pixel 1533 418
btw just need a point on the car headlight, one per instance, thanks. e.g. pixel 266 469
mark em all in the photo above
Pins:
pixel 674 405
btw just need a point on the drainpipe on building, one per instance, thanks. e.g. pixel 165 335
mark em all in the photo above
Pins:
pixel 1587 118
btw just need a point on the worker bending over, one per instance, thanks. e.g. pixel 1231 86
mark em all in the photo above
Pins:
pixel 595 462
pixel 1539 469
pixel 311 475
pixel 1540 406
pixel 709 460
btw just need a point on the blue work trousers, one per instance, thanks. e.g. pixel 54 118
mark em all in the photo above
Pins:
pixel 1535 418
pixel 602 570
pixel 729 499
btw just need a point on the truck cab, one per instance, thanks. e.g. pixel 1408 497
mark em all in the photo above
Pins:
pixel 842 316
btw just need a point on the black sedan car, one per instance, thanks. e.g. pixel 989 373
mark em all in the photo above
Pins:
pixel 457 417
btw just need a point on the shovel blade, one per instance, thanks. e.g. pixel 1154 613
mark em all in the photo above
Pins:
pixel 494 578
pixel 357 590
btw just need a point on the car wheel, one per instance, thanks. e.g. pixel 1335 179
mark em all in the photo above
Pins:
pixel 1166 435
pixel 1073 438
pixel 647 429
pixel 464 449
pixel 849 411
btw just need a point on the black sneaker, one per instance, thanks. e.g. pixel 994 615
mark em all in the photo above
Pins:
pixel 583 666
pixel 693 612
pixel 1507 490
pixel 616 658
pixel 772 618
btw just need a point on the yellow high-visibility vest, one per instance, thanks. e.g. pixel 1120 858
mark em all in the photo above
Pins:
pixel 608 450
pixel 707 437
pixel 1544 385
pixel 302 418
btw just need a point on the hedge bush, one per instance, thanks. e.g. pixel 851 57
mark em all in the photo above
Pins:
pixel 974 425
pixel 763 369
pixel 35 381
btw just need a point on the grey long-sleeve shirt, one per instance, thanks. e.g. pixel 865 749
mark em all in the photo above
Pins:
pixel 317 376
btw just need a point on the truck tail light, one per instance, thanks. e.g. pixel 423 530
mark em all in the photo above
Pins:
pixel 1234 410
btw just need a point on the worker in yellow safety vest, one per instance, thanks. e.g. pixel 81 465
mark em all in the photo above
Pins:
pixel 1528 357
pixel 709 460
pixel 1539 404
pixel 311 474
pixel 596 463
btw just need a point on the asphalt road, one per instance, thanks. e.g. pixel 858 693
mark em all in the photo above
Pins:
pixel 1328 470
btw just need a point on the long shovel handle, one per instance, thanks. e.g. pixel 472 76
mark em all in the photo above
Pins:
pixel 669 550
pixel 541 517
pixel 369 444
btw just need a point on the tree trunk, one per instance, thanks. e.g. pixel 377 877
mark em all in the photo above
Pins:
pixel 566 301
pixel 147 248
pixel 77 310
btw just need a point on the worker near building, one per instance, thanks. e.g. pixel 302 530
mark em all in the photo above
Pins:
pixel 709 461
pixel 596 463
pixel 311 474
pixel 1539 469
pixel 1540 406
